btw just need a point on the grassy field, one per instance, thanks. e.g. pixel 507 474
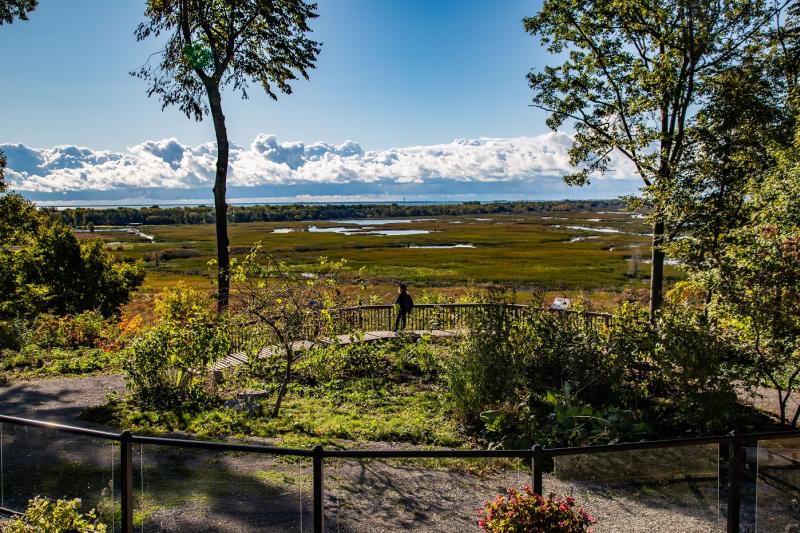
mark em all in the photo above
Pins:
pixel 561 251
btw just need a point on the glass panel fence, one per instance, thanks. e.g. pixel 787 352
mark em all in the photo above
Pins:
pixel 778 485
pixel 667 489
pixel 57 465
pixel 421 495
pixel 178 489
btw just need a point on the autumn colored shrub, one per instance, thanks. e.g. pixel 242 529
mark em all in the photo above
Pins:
pixel 524 512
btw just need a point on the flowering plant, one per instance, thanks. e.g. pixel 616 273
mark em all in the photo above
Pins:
pixel 527 512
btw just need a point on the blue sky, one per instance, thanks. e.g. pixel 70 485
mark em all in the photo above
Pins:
pixel 410 98
pixel 391 73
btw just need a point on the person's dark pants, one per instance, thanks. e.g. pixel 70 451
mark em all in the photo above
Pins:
pixel 401 318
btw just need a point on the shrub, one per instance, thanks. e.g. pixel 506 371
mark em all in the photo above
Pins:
pixel 183 305
pixel 395 359
pixel 84 329
pixel 57 274
pixel 556 350
pixel 576 423
pixel 61 516
pixel 697 367
pixel 13 332
pixel 525 511
pixel 482 372
pixel 166 367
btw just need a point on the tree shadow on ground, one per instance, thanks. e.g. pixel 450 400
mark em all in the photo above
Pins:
pixel 175 489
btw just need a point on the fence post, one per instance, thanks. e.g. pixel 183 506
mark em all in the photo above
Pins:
pixel 319 493
pixel 126 481
pixel 537 469
pixel 735 482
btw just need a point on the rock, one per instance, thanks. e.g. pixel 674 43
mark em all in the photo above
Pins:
pixel 243 404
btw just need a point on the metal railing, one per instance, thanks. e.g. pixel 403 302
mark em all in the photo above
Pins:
pixel 537 455
pixel 347 320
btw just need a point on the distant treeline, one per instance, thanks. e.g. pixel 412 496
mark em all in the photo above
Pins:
pixel 155 215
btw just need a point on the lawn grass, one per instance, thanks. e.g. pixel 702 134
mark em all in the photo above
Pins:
pixel 364 410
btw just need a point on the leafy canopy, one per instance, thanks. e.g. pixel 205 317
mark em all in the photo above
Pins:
pixel 15 9
pixel 216 43
pixel 632 73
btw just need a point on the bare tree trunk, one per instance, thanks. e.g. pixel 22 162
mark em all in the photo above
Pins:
pixel 657 270
pixel 287 376
pixel 782 401
pixel 220 205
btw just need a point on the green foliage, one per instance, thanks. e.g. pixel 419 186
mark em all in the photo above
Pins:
pixel 576 423
pixel 564 380
pixel 167 366
pixel 484 370
pixel 361 409
pixel 263 43
pixel 524 511
pixel 755 279
pixel 293 308
pixel 183 305
pixel 394 360
pixel 88 329
pixel 55 274
pixel 627 84
pixel 558 350
pixel 53 345
pixel 61 516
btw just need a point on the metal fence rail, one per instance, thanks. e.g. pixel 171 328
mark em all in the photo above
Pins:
pixel 364 318
pixel 537 456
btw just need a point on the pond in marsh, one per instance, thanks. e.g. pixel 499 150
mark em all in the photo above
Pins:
pixel 442 246
pixel 367 230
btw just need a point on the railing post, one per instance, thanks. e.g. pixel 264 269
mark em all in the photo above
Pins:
pixel 735 482
pixel 319 493
pixel 537 469
pixel 126 481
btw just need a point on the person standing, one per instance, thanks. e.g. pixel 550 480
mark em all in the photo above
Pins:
pixel 405 304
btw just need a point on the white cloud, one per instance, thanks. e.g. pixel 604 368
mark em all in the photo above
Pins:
pixel 266 162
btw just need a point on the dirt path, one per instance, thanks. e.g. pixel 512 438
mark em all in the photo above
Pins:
pixel 57 400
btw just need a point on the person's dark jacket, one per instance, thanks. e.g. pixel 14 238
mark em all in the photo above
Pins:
pixel 405 302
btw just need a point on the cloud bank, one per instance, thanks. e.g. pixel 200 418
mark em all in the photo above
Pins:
pixel 270 170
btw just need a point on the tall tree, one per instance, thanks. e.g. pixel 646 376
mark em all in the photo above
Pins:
pixel 16 9
pixel 632 80
pixel 216 43
pixel 747 117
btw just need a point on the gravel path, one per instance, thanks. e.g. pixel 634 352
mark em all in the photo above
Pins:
pixel 192 490
pixel 57 400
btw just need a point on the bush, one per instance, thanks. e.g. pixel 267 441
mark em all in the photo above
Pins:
pixel 182 305
pixel 557 350
pixel 394 359
pixel 87 329
pixel 57 274
pixel 483 371
pixel 525 511
pixel 12 333
pixel 167 366
pixel 61 516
